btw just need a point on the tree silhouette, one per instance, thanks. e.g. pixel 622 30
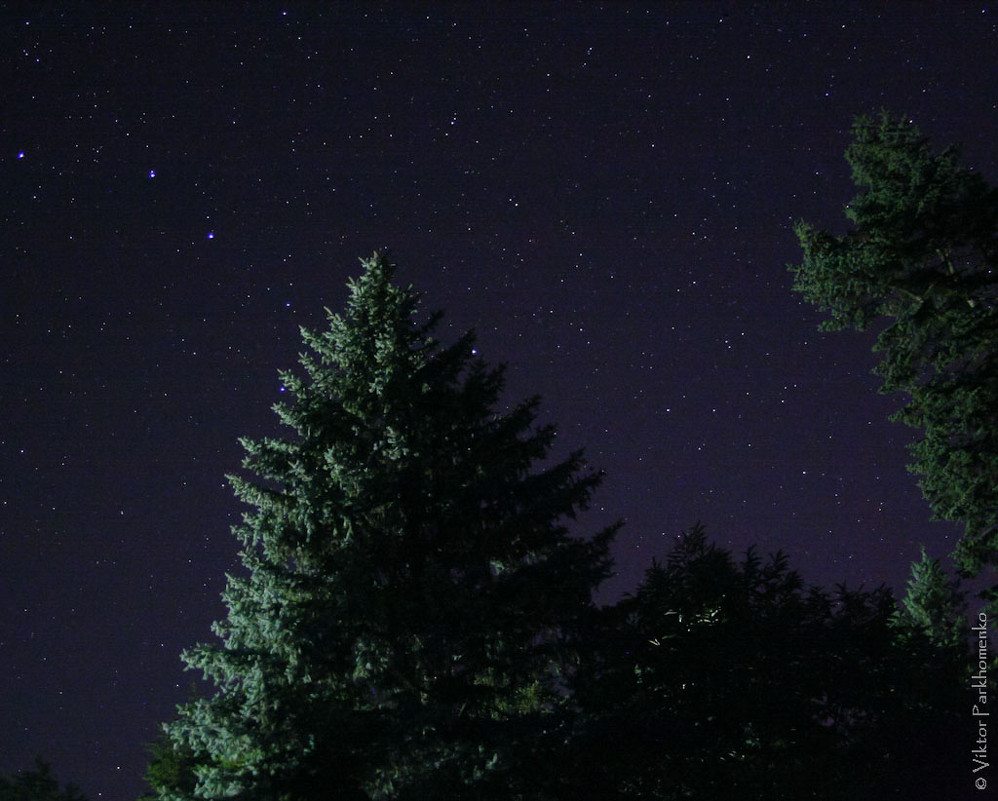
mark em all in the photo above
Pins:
pixel 728 680
pixel 37 784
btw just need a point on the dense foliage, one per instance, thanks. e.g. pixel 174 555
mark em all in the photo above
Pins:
pixel 411 593
pixel 724 680
pixel 415 620
pixel 37 784
pixel 933 606
pixel 920 263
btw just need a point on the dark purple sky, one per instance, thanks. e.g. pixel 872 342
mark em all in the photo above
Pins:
pixel 605 192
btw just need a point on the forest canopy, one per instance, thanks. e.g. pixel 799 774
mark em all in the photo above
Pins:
pixel 415 617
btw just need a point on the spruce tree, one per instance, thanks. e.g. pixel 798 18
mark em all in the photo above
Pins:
pixel 411 590
pixel 919 264
pixel 933 606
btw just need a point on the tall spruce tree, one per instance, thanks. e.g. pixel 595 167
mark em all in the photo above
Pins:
pixel 411 589
pixel 920 265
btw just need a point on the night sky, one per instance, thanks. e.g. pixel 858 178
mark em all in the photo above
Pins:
pixel 604 191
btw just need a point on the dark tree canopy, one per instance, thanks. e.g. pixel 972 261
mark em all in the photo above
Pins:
pixel 37 784
pixel 414 620
pixel 411 591
pixel 731 680
pixel 919 264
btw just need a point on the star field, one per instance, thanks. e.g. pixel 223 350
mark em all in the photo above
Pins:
pixel 605 192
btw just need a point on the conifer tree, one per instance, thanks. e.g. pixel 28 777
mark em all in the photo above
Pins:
pixel 733 680
pixel 933 606
pixel 920 264
pixel 411 589
pixel 170 772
